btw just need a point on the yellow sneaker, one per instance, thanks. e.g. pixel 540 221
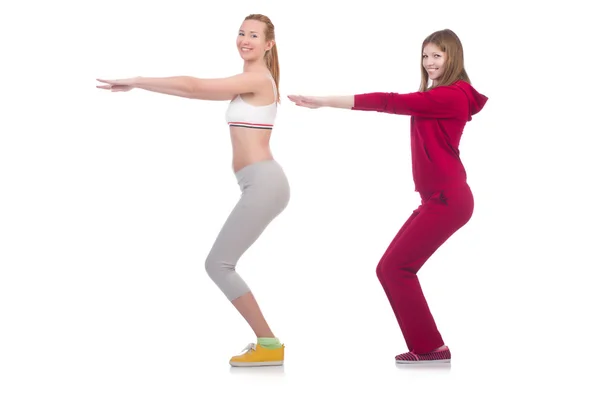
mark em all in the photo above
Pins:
pixel 255 355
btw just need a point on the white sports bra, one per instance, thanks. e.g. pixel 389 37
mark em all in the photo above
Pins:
pixel 242 114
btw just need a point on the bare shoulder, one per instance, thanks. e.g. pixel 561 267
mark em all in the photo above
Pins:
pixel 261 82
pixel 253 76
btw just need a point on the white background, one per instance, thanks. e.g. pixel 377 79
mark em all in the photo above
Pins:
pixel 109 202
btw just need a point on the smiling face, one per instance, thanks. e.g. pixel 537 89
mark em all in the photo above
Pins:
pixel 251 42
pixel 434 61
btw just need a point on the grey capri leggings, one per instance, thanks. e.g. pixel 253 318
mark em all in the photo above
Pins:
pixel 265 194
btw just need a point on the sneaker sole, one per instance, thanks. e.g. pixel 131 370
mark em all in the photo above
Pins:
pixel 423 362
pixel 257 364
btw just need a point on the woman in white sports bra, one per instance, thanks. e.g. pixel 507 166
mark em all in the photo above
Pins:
pixel 253 96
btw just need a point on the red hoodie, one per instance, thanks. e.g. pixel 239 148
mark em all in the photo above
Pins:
pixel 438 117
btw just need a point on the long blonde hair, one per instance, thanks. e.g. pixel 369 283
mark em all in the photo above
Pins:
pixel 454 70
pixel 271 58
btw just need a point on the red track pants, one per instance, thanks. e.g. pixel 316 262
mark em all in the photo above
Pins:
pixel 430 225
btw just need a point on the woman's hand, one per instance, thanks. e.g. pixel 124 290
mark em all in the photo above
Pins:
pixel 120 85
pixel 311 102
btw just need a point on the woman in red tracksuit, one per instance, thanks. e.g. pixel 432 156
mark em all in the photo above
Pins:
pixel 438 114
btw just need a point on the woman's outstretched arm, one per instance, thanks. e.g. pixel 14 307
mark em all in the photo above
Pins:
pixel 442 102
pixel 219 89
pixel 314 102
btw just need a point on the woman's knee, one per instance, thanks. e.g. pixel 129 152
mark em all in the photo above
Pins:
pixel 217 267
pixel 392 268
pixel 382 270
pixel 211 266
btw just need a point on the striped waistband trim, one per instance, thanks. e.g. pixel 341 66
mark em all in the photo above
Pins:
pixel 250 125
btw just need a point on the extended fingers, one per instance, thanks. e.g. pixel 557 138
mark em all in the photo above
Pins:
pixel 112 82
pixel 296 98
pixel 299 99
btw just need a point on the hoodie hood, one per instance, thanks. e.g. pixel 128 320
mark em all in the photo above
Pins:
pixel 476 100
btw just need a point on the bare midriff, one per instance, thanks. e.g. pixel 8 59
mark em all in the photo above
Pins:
pixel 249 146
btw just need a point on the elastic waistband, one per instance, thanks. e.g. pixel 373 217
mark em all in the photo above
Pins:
pixel 250 125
